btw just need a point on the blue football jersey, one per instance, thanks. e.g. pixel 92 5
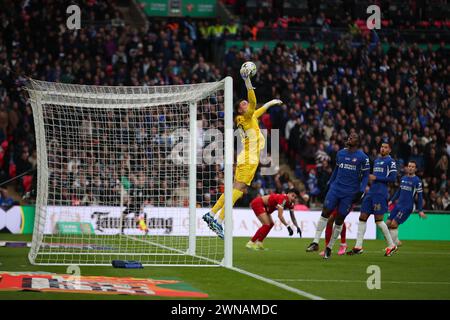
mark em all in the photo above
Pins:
pixel 409 187
pixel 351 171
pixel 385 169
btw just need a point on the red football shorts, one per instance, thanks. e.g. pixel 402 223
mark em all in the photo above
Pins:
pixel 257 205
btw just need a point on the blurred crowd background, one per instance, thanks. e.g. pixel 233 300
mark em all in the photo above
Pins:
pixel 333 75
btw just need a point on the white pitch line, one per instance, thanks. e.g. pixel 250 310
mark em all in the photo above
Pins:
pixel 446 253
pixel 253 275
pixel 360 281
pixel 278 284
pixel 399 252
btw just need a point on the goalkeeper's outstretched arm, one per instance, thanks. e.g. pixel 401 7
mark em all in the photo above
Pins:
pixel 266 106
pixel 250 96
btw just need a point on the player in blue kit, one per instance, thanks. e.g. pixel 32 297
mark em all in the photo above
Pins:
pixel 376 200
pixel 346 187
pixel 410 185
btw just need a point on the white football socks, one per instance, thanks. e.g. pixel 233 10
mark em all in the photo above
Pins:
pixel 321 224
pixel 383 227
pixel 394 235
pixel 360 235
pixel 336 232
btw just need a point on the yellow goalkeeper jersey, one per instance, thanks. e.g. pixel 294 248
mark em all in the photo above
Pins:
pixel 251 137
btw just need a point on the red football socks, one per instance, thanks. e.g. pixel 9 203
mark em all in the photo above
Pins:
pixel 262 232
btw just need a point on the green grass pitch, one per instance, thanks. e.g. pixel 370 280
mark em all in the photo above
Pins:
pixel 418 271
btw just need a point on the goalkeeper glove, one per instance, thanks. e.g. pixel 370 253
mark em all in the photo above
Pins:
pixel 299 231
pixel 272 103
pixel 291 232
pixel 245 74
pixel 357 197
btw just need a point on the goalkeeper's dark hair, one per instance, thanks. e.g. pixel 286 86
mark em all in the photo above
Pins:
pixel 236 107
pixel 294 191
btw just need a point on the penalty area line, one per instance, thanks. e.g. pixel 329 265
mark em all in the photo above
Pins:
pixel 277 284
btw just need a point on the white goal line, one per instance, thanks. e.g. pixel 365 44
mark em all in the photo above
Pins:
pixel 278 284
pixel 181 252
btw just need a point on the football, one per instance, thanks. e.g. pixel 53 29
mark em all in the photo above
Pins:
pixel 248 68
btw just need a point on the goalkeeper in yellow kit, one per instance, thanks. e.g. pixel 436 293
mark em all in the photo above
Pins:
pixel 248 159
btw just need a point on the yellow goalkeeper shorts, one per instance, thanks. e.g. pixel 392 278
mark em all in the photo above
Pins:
pixel 247 163
pixel 245 173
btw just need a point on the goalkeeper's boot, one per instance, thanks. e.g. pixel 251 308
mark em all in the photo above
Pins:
pixel 355 251
pixel 313 247
pixel 327 253
pixel 390 251
pixel 342 249
pixel 252 245
pixel 208 218
pixel 218 229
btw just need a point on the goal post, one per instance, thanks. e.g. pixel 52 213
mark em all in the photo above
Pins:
pixel 126 173
pixel 229 152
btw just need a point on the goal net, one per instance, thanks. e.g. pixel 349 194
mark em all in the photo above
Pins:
pixel 126 173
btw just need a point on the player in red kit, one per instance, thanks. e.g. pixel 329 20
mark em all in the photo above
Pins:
pixel 263 207
pixel 329 232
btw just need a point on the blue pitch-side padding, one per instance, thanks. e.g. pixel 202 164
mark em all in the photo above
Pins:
pixel 127 264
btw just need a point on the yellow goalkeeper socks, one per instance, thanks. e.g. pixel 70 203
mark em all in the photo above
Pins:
pixel 237 194
pixel 219 204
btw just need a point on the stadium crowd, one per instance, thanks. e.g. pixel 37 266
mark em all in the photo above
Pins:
pixel 323 20
pixel 400 95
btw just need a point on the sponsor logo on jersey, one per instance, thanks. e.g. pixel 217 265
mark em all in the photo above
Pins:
pixel 348 166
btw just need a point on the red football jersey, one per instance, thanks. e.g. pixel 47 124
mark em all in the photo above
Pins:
pixel 278 199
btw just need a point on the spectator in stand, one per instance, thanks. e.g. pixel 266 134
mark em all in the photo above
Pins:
pixel 5 199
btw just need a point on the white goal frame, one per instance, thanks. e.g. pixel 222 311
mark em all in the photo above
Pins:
pixel 41 92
